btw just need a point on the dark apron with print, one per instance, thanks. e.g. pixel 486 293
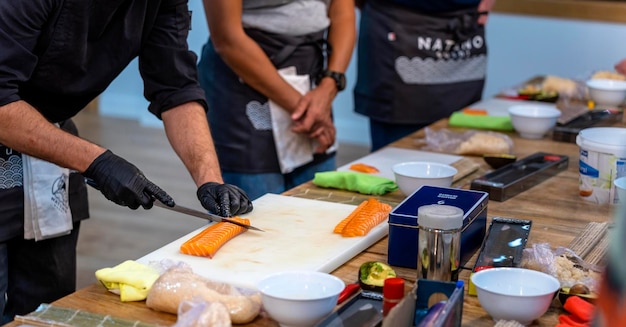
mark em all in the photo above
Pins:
pixel 239 115
pixel 12 191
pixel 416 68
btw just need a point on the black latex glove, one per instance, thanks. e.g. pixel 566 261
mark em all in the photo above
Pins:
pixel 123 183
pixel 225 200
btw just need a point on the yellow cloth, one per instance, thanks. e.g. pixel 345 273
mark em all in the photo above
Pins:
pixel 132 280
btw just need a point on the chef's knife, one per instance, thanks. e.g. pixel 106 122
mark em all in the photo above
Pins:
pixel 204 215
pixel 187 211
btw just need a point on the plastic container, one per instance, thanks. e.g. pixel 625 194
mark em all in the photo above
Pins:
pixel 602 161
pixel 439 248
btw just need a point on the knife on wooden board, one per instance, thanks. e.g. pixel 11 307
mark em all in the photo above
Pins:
pixel 188 211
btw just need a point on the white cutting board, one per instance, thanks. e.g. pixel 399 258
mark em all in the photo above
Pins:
pixel 298 236
pixel 500 107
pixel 385 158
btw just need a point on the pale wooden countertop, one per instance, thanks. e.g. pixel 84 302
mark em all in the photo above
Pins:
pixel 557 212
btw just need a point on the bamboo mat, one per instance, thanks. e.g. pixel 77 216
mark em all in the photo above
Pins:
pixel 592 243
pixel 50 315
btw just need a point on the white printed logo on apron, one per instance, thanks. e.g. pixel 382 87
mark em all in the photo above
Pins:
pixel 259 115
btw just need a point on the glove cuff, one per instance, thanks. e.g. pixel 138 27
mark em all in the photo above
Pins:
pixel 93 168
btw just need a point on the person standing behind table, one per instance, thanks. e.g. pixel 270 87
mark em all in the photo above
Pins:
pixel 418 61
pixel 56 57
pixel 250 40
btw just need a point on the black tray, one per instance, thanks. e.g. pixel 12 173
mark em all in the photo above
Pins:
pixel 514 178
pixel 593 118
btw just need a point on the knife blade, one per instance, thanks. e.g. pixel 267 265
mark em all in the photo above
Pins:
pixel 204 215
pixel 187 211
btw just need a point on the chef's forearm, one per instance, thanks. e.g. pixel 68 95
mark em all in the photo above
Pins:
pixel 188 132
pixel 24 129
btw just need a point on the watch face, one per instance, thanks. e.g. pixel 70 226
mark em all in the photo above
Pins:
pixel 340 80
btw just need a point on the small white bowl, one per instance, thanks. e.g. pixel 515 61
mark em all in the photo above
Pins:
pixel 533 121
pixel 516 294
pixel 412 175
pixel 299 298
pixel 607 91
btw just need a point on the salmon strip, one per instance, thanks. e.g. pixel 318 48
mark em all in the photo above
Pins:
pixel 364 168
pixel 364 218
pixel 342 224
pixel 208 241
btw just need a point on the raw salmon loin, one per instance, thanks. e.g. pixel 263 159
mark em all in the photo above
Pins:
pixel 363 219
pixel 364 168
pixel 208 241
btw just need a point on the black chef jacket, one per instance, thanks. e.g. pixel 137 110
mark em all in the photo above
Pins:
pixel 58 55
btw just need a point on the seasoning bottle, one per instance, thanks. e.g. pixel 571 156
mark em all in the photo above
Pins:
pixel 393 292
pixel 439 242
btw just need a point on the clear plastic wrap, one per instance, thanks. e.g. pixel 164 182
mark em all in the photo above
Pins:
pixel 179 283
pixel 470 142
pixel 200 313
pixel 563 264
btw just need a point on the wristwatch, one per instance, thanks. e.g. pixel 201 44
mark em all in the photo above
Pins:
pixel 340 78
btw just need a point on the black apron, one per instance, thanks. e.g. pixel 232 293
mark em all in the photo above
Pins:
pixel 239 116
pixel 416 68
pixel 12 191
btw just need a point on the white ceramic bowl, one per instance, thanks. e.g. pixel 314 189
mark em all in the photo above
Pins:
pixel 533 121
pixel 515 293
pixel 607 91
pixel 299 298
pixel 412 175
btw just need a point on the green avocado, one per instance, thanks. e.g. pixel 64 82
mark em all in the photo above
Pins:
pixel 375 273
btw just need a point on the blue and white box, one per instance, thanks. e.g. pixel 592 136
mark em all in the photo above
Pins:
pixel 403 227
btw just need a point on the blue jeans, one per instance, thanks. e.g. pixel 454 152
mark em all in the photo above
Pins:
pixel 256 185
pixel 382 134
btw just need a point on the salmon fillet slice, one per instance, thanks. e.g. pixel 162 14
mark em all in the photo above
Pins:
pixel 363 219
pixel 208 241
pixel 364 168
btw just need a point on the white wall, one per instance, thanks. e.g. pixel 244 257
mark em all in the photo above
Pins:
pixel 520 47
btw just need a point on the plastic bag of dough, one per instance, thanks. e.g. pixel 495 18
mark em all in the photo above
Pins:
pixel 199 313
pixel 471 142
pixel 179 283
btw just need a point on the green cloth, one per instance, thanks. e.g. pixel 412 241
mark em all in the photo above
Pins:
pixel 501 123
pixel 354 181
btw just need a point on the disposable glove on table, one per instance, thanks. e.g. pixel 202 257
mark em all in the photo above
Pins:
pixel 225 200
pixel 354 181
pixel 123 183
pixel 130 279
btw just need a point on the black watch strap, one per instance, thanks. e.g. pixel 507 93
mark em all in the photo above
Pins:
pixel 339 78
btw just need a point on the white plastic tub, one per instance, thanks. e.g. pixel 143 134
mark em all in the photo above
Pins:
pixel 602 160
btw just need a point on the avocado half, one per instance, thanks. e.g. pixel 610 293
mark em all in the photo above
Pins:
pixel 372 275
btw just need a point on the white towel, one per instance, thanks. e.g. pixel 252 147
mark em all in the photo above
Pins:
pixel 293 149
pixel 46 204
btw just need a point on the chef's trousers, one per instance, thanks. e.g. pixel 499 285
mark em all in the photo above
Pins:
pixel 32 272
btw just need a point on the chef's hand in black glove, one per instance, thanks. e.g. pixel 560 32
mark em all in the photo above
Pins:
pixel 123 183
pixel 225 200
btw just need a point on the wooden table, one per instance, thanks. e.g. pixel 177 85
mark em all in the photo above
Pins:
pixel 554 206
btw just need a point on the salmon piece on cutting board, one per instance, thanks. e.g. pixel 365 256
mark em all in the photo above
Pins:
pixel 208 241
pixel 364 218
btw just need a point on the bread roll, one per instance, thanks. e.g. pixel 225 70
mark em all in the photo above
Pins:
pixel 180 284
pixel 604 74
pixel 481 143
pixel 563 86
